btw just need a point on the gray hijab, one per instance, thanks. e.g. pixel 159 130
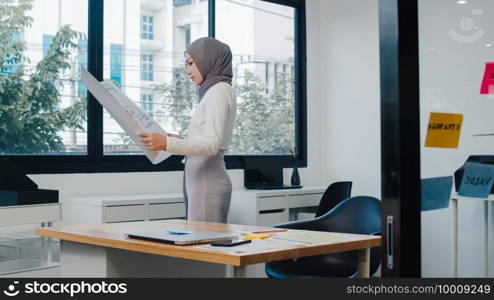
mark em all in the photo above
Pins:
pixel 214 60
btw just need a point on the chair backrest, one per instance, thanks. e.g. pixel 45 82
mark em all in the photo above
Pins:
pixel 333 195
pixel 359 215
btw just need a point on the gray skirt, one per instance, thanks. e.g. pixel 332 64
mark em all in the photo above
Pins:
pixel 207 188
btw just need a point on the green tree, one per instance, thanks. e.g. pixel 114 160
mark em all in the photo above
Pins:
pixel 30 117
pixel 264 123
pixel 179 98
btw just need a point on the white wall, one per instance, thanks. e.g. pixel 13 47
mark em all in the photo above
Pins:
pixel 451 71
pixel 171 182
pixel 349 62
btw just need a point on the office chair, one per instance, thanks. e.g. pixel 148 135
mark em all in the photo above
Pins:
pixel 359 215
pixel 334 194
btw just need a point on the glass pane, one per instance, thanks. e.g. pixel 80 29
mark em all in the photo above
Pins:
pixel 151 62
pixel 265 95
pixel 456 39
pixel 42 110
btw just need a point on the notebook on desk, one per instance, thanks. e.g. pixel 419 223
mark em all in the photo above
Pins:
pixel 194 237
pixel 264 173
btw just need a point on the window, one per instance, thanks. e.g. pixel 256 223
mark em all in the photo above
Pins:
pixel 47 40
pixel 147 27
pixel 147 67
pixel 116 63
pixel 187 35
pixel 266 100
pixel 49 118
pixel 81 59
pixel 140 45
pixel 178 3
pixel 147 103
pixel 10 62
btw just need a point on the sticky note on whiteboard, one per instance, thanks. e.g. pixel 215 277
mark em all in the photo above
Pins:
pixel 477 180
pixel 444 130
pixel 488 80
pixel 436 192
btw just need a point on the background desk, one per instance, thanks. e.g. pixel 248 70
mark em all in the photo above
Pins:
pixel 103 250
pixel 43 214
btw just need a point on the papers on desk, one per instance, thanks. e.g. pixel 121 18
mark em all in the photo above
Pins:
pixel 284 240
pixel 127 114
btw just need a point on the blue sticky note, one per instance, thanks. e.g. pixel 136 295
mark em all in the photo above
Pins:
pixel 180 232
pixel 477 180
pixel 436 192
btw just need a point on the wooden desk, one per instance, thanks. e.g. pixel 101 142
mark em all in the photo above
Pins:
pixel 103 250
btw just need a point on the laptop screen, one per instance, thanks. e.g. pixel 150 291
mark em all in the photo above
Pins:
pixel 262 171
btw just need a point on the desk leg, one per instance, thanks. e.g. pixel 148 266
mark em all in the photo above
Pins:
pixel 49 253
pixel 364 263
pixel 239 271
pixel 43 245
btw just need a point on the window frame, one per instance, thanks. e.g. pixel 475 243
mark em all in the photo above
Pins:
pixel 147 34
pixel 147 67
pixel 96 162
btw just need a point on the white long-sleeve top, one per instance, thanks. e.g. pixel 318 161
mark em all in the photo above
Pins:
pixel 211 124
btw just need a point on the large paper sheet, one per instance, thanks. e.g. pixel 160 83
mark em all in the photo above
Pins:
pixel 128 115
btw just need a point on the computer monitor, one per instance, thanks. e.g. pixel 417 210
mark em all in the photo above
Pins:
pixel 262 171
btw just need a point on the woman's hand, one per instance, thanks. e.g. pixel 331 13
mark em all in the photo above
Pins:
pixel 153 141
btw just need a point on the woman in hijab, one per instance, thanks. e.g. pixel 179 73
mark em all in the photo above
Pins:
pixel 207 186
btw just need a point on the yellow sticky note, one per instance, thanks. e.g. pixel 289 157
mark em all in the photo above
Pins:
pixel 256 236
pixel 444 130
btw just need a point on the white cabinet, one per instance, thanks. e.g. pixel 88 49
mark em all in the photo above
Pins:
pixel 124 213
pixel 271 207
pixel 250 207
pixel 122 208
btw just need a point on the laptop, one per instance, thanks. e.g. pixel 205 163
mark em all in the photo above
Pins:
pixel 183 237
pixel 264 173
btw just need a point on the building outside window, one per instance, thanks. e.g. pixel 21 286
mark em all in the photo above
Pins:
pixel 266 99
